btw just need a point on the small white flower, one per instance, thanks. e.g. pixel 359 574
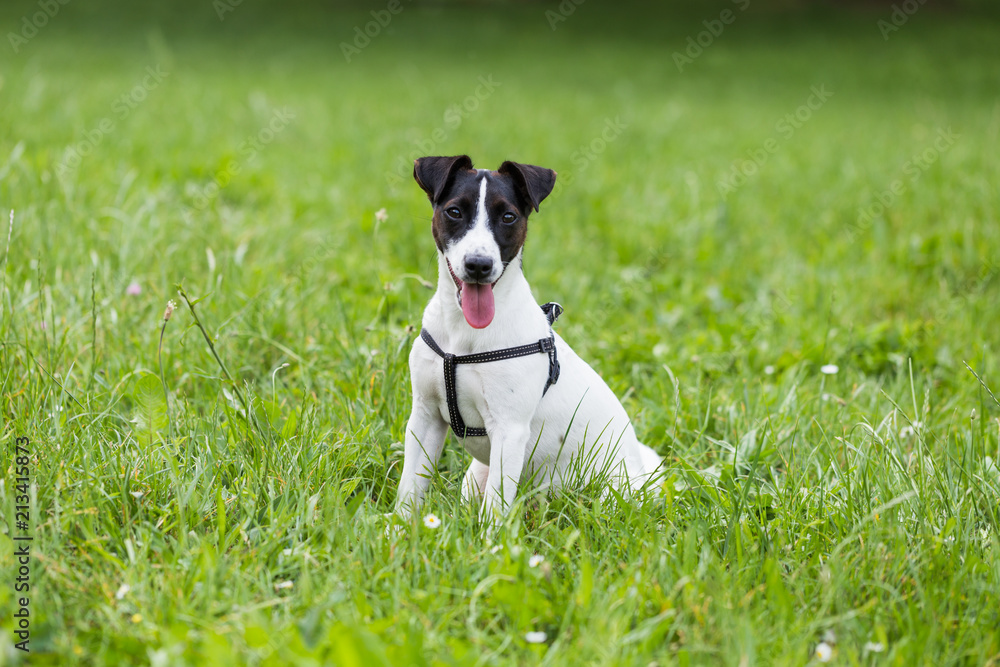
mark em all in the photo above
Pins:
pixel 283 584
pixel 768 370
pixel 537 637
pixel 829 369
pixel 496 548
pixel 171 305
pixel 824 652
pixel 874 647
pixel 381 215
pixel 122 591
pixel 432 522
pixel 535 560
pixel 286 552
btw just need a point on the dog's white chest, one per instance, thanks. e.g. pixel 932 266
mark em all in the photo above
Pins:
pixel 485 392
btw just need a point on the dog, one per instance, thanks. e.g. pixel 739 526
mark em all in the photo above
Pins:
pixel 487 363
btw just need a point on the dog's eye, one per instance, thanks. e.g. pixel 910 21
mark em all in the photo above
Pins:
pixel 509 218
pixel 454 212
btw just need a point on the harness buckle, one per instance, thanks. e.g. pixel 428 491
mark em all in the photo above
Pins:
pixel 553 373
pixel 548 345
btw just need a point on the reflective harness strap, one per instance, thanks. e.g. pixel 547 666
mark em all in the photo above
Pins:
pixel 542 346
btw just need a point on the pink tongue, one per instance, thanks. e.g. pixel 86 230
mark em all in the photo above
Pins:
pixel 477 304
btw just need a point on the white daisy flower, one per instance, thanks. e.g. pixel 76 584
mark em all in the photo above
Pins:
pixel 824 652
pixel 122 591
pixel 769 370
pixel 829 369
pixel 874 647
pixel 537 637
pixel 432 522
pixel 535 560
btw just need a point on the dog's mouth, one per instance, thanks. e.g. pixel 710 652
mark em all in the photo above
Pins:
pixel 476 301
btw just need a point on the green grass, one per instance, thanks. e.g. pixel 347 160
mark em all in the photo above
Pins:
pixel 797 504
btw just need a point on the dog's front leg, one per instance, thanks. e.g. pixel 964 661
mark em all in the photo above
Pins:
pixel 508 444
pixel 425 432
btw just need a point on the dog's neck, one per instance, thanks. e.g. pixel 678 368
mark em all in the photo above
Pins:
pixel 518 319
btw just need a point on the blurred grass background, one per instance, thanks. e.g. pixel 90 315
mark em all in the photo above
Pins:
pixel 244 157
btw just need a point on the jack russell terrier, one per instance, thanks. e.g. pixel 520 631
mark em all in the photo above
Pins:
pixel 488 364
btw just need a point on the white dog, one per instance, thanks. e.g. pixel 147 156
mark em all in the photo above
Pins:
pixel 488 363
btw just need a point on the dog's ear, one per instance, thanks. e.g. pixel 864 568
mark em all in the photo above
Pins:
pixel 534 183
pixel 434 174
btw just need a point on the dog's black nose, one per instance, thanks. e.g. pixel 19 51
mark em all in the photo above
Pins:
pixel 478 267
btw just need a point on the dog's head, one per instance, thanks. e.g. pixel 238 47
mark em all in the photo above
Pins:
pixel 480 222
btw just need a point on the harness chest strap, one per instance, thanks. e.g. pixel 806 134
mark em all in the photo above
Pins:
pixel 552 311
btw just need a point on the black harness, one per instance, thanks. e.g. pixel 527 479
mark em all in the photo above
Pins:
pixel 552 311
